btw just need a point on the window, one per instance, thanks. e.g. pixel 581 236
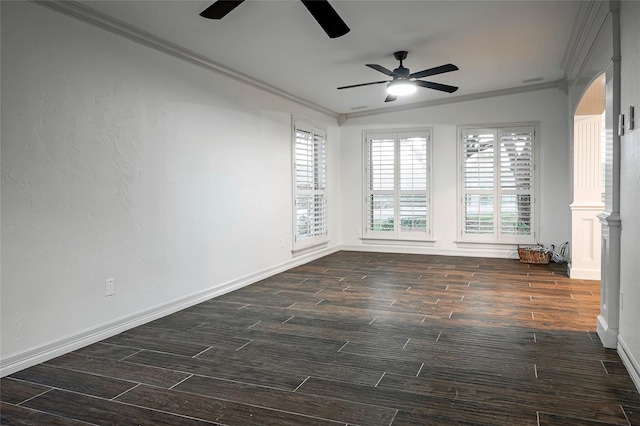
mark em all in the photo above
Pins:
pixel 497 185
pixel 309 170
pixel 397 179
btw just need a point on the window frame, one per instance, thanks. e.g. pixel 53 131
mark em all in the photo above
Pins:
pixel 397 234
pixel 497 237
pixel 320 236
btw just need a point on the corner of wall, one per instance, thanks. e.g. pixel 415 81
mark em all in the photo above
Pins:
pixel 45 352
pixel 632 364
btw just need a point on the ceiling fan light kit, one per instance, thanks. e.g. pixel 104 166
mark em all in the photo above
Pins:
pixel 401 88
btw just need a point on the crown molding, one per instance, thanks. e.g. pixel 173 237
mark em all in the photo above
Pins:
pixel 558 84
pixel 587 25
pixel 98 19
pixel 91 16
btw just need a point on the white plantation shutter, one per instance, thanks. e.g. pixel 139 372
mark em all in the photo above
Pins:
pixel 413 182
pixel 413 213
pixel 397 185
pixel 309 147
pixel 304 165
pixel 381 179
pixel 516 181
pixel 497 185
pixel 478 178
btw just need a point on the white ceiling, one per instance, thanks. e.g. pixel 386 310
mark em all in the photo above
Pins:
pixel 496 44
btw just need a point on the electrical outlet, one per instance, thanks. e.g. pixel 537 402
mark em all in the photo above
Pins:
pixel 110 287
pixel 281 242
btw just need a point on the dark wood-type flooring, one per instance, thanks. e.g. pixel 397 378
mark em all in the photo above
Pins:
pixel 352 338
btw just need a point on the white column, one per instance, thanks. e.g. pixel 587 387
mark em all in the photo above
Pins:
pixel 609 318
pixel 587 198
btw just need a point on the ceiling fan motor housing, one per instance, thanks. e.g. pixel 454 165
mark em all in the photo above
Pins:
pixel 400 55
pixel 401 73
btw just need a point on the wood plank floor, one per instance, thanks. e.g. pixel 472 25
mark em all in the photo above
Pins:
pixel 352 338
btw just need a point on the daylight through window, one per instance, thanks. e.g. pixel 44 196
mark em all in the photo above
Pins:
pixel 397 185
pixel 497 185
pixel 310 211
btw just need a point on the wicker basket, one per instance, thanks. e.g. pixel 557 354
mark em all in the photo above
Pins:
pixel 533 255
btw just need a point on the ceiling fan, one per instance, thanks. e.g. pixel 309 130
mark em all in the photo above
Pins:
pixel 404 82
pixel 321 10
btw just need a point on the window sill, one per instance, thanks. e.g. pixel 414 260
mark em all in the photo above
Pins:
pixel 398 241
pixel 310 248
pixel 489 245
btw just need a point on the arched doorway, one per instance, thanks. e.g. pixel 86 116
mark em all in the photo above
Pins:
pixel 588 182
pixel 600 53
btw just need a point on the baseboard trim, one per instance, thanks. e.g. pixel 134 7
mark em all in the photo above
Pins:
pixel 632 365
pixel 45 352
pixel 584 274
pixel 608 336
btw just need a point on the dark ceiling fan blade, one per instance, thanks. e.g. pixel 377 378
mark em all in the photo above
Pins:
pixel 436 86
pixel 381 69
pixel 390 98
pixel 363 84
pixel 220 9
pixel 327 17
pixel 433 71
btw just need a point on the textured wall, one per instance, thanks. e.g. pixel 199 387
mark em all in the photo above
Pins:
pixel 630 183
pixel 122 162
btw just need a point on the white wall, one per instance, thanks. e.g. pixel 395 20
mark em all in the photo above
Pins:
pixel 548 107
pixel 122 162
pixel 621 283
pixel 629 336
